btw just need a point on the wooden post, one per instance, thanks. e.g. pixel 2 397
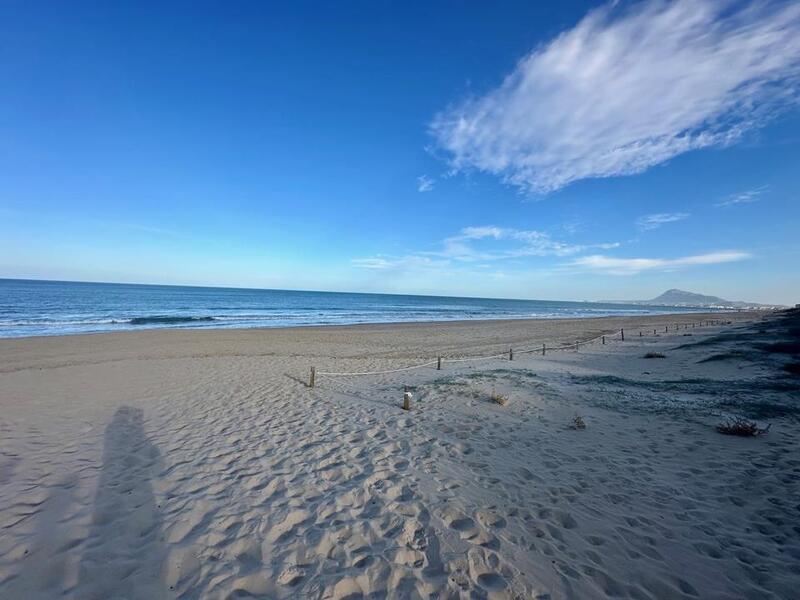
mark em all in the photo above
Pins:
pixel 640 334
pixel 543 349
pixel 577 345
pixel 604 340
pixel 654 331
pixel 439 364
pixel 510 354
pixel 313 376
pixel 666 328
pixel 622 331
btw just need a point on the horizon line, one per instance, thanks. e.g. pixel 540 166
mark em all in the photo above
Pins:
pixel 264 289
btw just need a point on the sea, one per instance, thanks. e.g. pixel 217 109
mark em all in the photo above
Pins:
pixel 32 308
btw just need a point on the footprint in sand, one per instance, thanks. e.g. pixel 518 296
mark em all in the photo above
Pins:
pixel 483 570
pixel 466 527
pixel 490 519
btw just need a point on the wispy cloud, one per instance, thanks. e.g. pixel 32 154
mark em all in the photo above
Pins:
pixel 476 248
pixel 520 243
pixel 632 266
pixel 425 183
pixel 573 227
pixel 628 88
pixel 383 263
pixel 486 243
pixel 745 197
pixel 655 221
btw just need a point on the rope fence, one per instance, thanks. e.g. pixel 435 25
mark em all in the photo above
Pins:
pixel 440 360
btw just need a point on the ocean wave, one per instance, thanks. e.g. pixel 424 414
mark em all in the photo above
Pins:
pixel 53 322
pixel 167 320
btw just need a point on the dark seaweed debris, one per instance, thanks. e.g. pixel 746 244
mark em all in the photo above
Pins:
pixel 741 427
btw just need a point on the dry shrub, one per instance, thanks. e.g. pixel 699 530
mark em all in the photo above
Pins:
pixel 654 355
pixel 577 422
pixel 498 398
pixel 741 427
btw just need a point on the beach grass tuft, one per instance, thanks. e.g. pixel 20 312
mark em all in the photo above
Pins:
pixel 577 422
pixel 498 398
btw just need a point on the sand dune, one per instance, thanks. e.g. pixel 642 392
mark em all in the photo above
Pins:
pixel 180 464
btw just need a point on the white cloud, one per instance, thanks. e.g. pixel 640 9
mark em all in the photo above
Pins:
pixel 411 261
pixel 476 248
pixel 518 243
pixel 628 88
pixel 485 243
pixel 425 183
pixel 632 266
pixel 655 221
pixel 745 197
pixel 376 263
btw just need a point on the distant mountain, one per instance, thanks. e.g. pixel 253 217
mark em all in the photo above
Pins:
pixel 682 298
pixel 689 298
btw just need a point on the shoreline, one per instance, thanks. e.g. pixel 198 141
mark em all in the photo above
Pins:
pixel 698 316
pixel 373 346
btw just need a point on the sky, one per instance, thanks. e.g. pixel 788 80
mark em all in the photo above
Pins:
pixel 545 150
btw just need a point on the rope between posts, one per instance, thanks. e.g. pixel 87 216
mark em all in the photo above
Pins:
pixel 449 360
pixel 567 346
pixel 471 358
pixel 427 364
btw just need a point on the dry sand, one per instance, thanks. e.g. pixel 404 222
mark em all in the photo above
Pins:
pixel 198 464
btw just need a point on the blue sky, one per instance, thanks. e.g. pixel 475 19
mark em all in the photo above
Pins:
pixel 568 151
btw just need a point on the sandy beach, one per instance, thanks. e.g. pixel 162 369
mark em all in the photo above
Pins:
pixel 200 464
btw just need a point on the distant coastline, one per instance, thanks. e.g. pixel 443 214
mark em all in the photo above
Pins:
pixel 682 298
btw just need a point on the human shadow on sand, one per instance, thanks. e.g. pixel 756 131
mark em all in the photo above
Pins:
pixel 125 553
